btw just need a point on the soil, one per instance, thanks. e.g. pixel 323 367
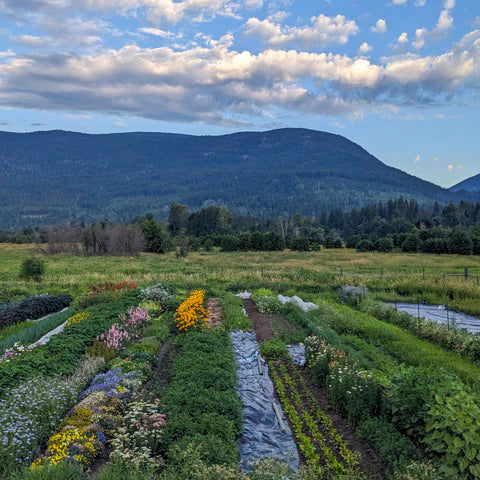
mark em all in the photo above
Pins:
pixel 215 316
pixel 261 322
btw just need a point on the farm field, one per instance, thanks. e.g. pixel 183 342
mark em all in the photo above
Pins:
pixel 145 377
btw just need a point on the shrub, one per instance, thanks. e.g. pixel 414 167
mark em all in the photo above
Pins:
pixel 159 292
pixel 32 269
pixel 365 245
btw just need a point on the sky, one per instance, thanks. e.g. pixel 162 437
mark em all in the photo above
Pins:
pixel 399 77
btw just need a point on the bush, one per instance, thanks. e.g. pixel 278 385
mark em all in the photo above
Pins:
pixel 32 269
pixel 365 245
pixel 159 292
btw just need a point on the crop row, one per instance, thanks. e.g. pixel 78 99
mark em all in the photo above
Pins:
pixel 32 308
pixel 322 444
pixel 393 341
pixel 62 353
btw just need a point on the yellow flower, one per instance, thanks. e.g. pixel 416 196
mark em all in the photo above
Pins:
pixel 191 313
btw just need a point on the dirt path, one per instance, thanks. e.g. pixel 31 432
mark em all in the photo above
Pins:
pixel 261 322
pixel 215 316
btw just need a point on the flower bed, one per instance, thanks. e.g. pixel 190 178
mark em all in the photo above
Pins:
pixel 191 314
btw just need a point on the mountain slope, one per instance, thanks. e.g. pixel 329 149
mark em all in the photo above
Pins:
pixel 49 177
pixel 471 184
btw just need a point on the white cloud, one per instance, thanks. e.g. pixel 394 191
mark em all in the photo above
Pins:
pixel 420 3
pixel 216 84
pixel 157 32
pixel 420 35
pixel 445 20
pixel 399 2
pixel 417 159
pixel 155 11
pixel 380 26
pixel 322 31
pixel 449 167
pixel 7 53
pixel 364 48
pixel 403 38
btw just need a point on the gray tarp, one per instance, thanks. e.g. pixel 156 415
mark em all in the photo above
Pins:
pixel 439 314
pixel 297 352
pixel 262 436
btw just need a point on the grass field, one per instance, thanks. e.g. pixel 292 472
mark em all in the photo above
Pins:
pixel 410 276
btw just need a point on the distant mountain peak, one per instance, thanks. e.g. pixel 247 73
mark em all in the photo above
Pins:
pixel 471 184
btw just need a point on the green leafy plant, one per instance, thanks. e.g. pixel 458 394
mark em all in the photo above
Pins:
pixel 274 350
pixel 453 430
pixel 32 269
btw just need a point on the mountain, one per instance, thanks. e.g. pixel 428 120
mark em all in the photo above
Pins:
pixel 471 184
pixel 52 177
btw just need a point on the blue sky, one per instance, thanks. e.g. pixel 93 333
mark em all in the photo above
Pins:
pixel 399 77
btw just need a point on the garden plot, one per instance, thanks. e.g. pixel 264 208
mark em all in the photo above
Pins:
pixel 439 314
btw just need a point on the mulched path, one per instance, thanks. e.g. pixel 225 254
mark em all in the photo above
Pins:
pixel 215 317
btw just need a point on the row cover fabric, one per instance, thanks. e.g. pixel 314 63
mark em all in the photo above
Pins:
pixel 440 314
pixel 262 436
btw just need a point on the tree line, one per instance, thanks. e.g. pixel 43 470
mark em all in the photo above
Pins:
pixel 384 226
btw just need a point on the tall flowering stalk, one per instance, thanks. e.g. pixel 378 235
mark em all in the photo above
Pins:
pixel 115 337
pixel 128 329
pixel 191 314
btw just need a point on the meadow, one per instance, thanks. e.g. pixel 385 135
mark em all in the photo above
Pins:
pixel 390 276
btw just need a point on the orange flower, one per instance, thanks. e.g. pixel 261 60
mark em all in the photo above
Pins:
pixel 191 313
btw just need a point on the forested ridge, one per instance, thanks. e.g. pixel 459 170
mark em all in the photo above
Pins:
pixel 53 177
